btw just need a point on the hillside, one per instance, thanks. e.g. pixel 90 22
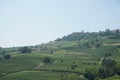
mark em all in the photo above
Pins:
pixel 83 40
pixel 77 56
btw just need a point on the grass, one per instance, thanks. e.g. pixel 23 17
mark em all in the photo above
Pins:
pixel 16 67
pixel 32 75
pixel 20 62
pixel 112 78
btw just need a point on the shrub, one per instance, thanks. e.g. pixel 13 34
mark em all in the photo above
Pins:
pixel 7 56
pixel 46 60
pixel 73 77
pixel 25 50
pixel 90 75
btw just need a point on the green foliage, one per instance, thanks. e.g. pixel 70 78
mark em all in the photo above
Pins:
pixel 73 66
pixel 103 73
pixel 6 56
pixel 112 78
pixel 25 50
pixel 90 74
pixel 77 36
pixel 46 60
pixel 1 50
pixel 117 69
pixel 51 51
pixel 108 68
pixel 107 63
pixel 73 77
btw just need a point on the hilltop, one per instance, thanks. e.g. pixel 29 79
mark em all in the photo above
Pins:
pixel 77 36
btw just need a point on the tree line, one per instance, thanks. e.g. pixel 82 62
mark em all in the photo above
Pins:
pixel 108 68
pixel 77 36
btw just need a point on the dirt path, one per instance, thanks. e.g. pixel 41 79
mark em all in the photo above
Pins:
pixel 39 66
pixel 113 44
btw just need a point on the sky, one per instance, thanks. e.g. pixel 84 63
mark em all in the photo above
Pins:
pixel 31 22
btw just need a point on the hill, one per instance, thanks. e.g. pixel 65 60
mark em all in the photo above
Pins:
pixel 77 56
pixel 80 40
pixel 76 36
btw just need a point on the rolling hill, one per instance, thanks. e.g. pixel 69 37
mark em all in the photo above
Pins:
pixel 77 56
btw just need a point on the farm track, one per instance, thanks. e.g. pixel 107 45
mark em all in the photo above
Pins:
pixel 113 44
pixel 39 66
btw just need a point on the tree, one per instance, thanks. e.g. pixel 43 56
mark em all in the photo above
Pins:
pixel 7 56
pixel 107 32
pixel 51 51
pixel 61 60
pixel 46 60
pixel 87 45
pixel 63 76
pixel 1 50
pixel 108 68
pixel 108 63
pixel 73 66
pixel 103 72
pixel 108 54
pixel 98 45
pixel 25 50
pixel 117 69
pixel 90 75
pixel 0 58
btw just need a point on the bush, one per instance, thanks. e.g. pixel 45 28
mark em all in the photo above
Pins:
pixel 46 60
pixel 25 50
pixel 73 66
pixel 90 75
pixel 108 68
pixel 108 63
pixel 0 58
pixel 2 52
pixel 7 56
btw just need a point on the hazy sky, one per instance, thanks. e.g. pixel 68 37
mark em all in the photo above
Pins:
pixel 30 22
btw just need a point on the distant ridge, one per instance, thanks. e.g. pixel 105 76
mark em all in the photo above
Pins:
pixel 76 36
